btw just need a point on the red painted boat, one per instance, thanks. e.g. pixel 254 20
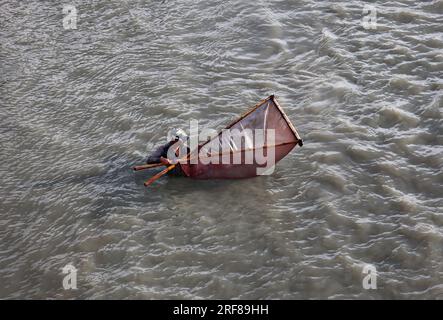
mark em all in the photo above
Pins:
pixel 267 116
pixel 237 151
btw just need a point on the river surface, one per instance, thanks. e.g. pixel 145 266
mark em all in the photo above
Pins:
pixel 80 106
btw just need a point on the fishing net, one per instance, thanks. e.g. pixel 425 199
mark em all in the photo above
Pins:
pixel 250 146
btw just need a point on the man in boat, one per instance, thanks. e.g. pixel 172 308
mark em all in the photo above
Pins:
pixel 160 154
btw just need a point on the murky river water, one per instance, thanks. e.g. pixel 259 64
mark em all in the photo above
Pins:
pixel 80 106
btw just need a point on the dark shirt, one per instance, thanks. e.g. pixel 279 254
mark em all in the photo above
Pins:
pixel 162 151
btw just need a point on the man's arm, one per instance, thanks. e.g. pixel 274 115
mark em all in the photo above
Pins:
pixel 160 151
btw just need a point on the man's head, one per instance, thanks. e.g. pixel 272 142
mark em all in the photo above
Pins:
pixel 177 134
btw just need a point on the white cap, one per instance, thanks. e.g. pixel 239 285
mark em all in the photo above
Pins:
pixel 177 134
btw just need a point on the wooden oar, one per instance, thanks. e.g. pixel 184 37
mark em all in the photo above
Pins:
pixel 147 166
pixel 160 174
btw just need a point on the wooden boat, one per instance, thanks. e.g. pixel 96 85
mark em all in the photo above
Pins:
pixel 266 116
